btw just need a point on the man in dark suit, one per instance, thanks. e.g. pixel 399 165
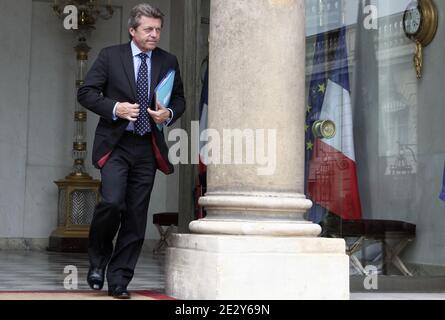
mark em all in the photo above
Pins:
pixel 129 144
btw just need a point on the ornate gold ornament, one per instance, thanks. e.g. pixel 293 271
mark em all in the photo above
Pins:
pixel 420 22
pixel 324 129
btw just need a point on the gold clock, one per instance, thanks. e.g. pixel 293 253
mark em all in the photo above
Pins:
pixel 420 22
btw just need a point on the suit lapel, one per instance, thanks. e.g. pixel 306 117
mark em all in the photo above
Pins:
pixel 127 60
pixel 155 72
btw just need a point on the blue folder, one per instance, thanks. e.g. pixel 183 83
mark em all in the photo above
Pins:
pixel 163 91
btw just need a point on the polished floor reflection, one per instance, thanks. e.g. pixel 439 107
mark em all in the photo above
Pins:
pixel 44 271
pixel 41 270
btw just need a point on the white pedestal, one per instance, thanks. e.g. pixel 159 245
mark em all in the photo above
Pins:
pixel 218 267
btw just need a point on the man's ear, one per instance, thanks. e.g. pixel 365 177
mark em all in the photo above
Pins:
pixel 131 31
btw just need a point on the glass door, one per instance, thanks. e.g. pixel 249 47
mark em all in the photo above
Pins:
pixel 374 155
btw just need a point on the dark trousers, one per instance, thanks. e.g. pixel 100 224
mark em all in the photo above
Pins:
pixel 127 182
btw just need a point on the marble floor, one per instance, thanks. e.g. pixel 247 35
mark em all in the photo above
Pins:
pixel 44 271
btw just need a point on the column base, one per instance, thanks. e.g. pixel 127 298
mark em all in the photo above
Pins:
pixel 255 214
pixel 217 267
pixel 274 228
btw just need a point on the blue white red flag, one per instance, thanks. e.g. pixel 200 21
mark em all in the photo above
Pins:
pixel 331 172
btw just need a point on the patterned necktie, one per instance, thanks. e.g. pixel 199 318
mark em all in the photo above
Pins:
pixel 142 124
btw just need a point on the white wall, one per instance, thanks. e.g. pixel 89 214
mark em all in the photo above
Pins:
pixel 37 86
pixel 14 106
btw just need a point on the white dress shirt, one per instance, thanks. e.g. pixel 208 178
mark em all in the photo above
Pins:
pixel 137 63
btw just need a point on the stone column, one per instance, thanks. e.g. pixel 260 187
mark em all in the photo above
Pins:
pixel 254 242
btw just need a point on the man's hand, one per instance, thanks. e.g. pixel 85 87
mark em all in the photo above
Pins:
pixel 127 111
pixel 160 115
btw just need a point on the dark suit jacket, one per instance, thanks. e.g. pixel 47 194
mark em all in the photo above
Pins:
pixel 110 80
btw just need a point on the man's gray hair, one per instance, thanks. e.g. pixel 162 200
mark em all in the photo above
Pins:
pixel 143 10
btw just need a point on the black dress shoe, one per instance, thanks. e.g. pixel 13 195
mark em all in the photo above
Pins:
pixel 119 292
pixel 96 278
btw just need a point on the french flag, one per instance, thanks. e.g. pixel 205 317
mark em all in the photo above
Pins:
pixel 331 173
pixel 203 119
pixel 201 183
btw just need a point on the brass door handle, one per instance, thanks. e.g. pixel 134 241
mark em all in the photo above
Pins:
pixel 324 129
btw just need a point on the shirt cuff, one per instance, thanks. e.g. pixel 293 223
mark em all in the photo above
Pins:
pixel 114 112
pixel 167 122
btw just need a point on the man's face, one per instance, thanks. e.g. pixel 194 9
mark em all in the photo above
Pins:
pixel 147 35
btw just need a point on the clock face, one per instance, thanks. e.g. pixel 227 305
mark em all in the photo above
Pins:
pixel 412 19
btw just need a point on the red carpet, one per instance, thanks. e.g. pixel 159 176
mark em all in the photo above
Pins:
pixel 78 295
